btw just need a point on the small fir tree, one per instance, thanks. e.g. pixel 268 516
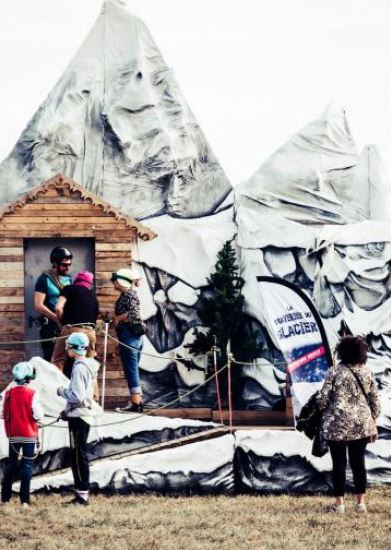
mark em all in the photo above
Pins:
pixel 221 314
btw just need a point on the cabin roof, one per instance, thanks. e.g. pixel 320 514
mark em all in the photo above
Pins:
pixel 60 182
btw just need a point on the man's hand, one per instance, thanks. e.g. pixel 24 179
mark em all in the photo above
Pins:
pixel 373 437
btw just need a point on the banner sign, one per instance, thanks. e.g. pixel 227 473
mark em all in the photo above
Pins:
pixel 297 331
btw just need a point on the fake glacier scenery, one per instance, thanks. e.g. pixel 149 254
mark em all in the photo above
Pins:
pixel 245 289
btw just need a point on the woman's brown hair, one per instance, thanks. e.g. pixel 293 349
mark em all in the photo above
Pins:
pixel 352 350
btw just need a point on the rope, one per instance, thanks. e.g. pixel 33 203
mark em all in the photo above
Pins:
pixel 152 411
pixel 54 338
pixel 175 356
pixel 100 330
pixel 20 454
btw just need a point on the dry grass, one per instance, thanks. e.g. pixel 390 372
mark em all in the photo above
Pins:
pixel 143 522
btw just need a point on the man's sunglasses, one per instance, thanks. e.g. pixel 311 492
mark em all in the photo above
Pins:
pixel 65 264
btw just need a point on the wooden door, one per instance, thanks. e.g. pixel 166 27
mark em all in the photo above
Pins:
pixel 36 260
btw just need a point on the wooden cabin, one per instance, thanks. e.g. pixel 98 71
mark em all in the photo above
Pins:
pixel 60 212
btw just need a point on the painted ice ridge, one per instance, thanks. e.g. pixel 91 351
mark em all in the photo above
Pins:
pixel 117 123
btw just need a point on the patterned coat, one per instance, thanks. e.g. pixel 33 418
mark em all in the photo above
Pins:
pixel 347 415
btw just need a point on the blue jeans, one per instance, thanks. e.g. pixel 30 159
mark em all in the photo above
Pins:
pixel 28 450
pixel 130 357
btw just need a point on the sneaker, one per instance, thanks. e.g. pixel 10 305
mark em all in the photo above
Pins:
pixel 25 505
pixel 361 508
pixel 131 407
pixel 78 501
pixel 338 508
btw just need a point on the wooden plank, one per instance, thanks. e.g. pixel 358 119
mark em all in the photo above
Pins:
pixel 111 247
pixel 12 319
pixel 15 226
pixel 14 283
pixel 117 392
pixel 11 259
pixel 61 200
pixel 107 292
pixel 34 214
pixel 8 331
pixel 12 355
pixel 11 300
pixel 43 234
pixel 11 292
pixel 114 254
pixel 10 266
pixel 11 307
pixel 113 238
pixel 108 220
pixel 258 418
pixel 10 251
pixel 13 242
pixel 39 206
pixel 107 234
pixel 115 375
pixel 112 266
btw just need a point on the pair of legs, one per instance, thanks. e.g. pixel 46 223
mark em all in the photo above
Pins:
pixel 50 330
pixel 28 451
pixel 130 354
pixel 356 452
pixel 78 434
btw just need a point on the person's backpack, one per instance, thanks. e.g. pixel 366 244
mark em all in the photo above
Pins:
pixel 309 422
pixel 309 417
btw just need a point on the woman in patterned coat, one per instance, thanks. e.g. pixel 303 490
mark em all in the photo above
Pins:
pixel 129 327
pixel 350 401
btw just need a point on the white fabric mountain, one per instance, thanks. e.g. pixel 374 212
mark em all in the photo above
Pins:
pixel 117 123
pixel 318 177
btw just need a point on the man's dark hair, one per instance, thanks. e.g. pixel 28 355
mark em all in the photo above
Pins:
pixel 352 350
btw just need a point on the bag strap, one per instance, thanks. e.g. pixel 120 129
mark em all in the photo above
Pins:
pixel 360 384
pixel 54 280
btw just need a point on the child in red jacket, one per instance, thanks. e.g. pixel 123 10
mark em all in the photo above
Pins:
pixel 21 411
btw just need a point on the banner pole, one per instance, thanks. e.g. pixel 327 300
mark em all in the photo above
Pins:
pixel 229 361
pixel 106 334
pixel 217 383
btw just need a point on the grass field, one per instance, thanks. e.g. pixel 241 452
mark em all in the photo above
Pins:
pixel 149 521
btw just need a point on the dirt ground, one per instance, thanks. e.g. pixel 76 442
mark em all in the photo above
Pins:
pixel 190 523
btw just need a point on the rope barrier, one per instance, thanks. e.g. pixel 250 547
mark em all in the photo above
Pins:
pixel 148 413
pixel 100 330
pixel 147 354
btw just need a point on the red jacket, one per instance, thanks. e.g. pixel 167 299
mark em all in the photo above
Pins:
pixel 18 413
